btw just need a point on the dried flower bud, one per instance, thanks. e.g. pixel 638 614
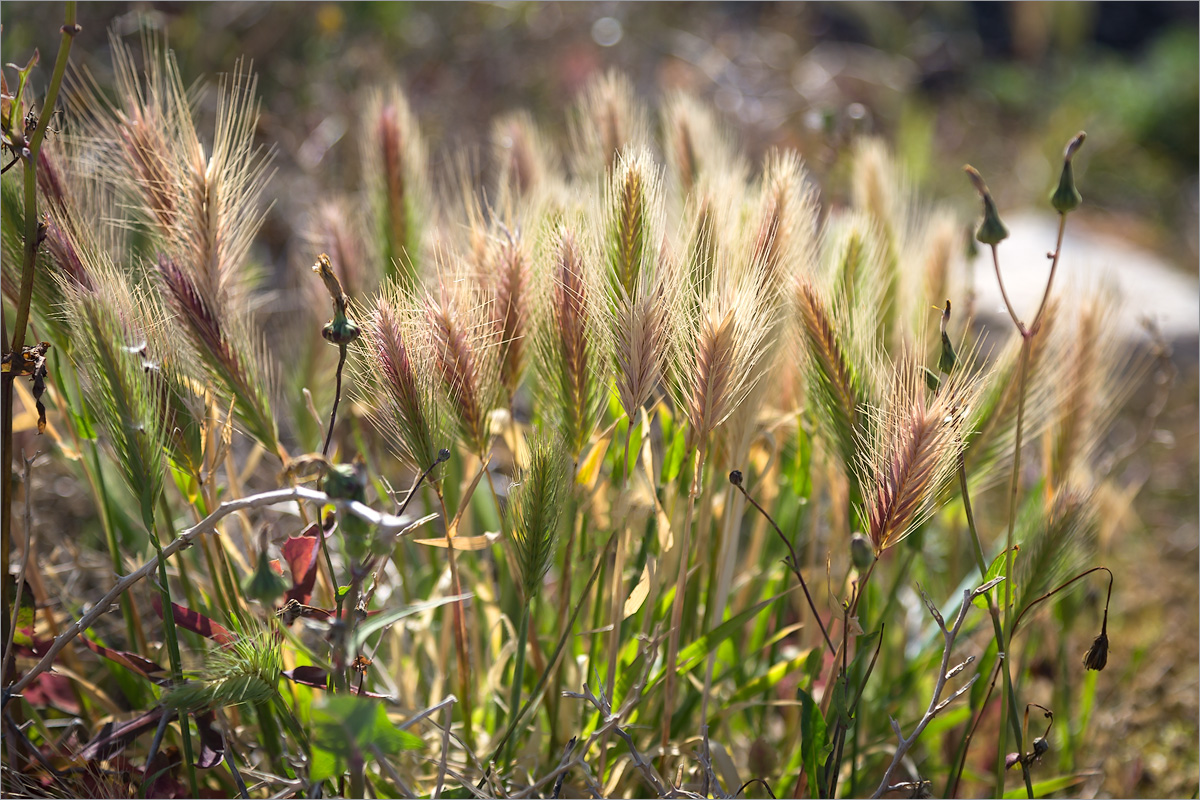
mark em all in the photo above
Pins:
pixel 341 330
pixel 1066 197
pixel 1040 747
pixel 991 230
pixel 735 477
pixel 1097 655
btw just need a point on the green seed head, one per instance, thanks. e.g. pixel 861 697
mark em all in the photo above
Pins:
pixel 862 553
pixel 1066 197
pixel 991 231
pixel 948 358
pixel 341 330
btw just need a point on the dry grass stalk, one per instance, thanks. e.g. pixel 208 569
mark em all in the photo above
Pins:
pixel 915 451
pixel 569 342
pixel 718 350
pixel 839 380
pixel 401 395
pixel 395 166
pixel 465 354
pixel 509 308
pixel 607 120
pixel 526 161
pixel 640 346
pixel 698 147
pixel 110 355
pixel 202 209
pixel 223 352
pixel 632 223
pixel 784 231
pixel 1100 373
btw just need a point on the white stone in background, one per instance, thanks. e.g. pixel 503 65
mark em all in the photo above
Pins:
pixel 1146 285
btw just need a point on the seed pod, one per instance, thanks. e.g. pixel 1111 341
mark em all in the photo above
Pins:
pixel 1066 197
pixel 991 230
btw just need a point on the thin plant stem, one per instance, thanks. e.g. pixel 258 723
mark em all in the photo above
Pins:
pixel 1004 293
pixel 337 397
pixel 459 621
pixel 1063 586
pixel 564 601
pixel 137 637
pixel 518 673
pixel 550 666
pixel 1023 370
pixel 993 612
pixel 617 601
pixel 172 637
pixel 25 297
pixel 793 561
pixel 678 601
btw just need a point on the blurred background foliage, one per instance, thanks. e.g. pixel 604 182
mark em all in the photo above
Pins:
pixel 1001 85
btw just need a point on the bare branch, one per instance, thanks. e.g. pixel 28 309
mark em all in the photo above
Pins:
pixel 385 524
pixel 945 672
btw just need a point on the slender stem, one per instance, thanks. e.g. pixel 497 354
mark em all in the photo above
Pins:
pixel 69 29
pixel 1003 293
pixel 337 397
pixel 459 622
pixel 518 674
pixel 1064 585
pixel 793 563
pixel 172 637
pixel 615 616
pixel 1037 320
pixel 678 602
pixel 564 601
pixel 1026 348
pixel 28 266
pixel 562 641
pixel 993 612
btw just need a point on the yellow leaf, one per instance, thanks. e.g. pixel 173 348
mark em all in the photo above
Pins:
pixel 638 596
pixel 589 470
pixel 462 542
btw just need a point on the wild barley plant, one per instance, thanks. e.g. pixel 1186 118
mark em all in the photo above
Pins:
pixel 706 309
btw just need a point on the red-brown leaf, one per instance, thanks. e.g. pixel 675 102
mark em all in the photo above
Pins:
pixel 195 622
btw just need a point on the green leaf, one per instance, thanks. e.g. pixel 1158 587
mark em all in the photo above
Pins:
pixel 696 652
pixel 814 743
pixel 673 458
pixel 770 679
pixel 1046 787
pixel 346 726
pixel 996 570
pixel 383 620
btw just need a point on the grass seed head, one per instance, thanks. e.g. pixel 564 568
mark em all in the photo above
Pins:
pixel 534 509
